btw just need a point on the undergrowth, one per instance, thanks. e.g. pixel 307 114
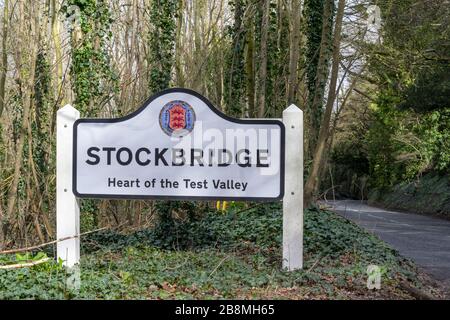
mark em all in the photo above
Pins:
pixel 227 255
pixel 430 194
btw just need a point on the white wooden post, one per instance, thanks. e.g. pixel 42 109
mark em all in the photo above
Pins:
pixel 293 188
pixel 67 208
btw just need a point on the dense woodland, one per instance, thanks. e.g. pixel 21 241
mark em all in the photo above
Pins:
pixel 372 77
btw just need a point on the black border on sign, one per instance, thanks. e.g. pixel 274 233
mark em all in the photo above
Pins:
pixel 164 197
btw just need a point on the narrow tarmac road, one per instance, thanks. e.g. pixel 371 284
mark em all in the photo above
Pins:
pixel 425 240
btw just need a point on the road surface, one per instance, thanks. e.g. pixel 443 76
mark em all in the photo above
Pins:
pixel 423 239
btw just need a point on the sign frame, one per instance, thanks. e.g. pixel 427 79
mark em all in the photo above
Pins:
pixel 169 197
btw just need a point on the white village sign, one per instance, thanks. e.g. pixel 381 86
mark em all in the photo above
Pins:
pixel 179 146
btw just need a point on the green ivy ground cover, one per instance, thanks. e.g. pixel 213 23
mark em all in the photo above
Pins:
pixel 232 255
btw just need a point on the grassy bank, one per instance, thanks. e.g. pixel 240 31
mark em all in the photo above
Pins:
pixel 232 255
pixel 427 195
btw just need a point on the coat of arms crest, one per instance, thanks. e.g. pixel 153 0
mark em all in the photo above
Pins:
pixel 177 118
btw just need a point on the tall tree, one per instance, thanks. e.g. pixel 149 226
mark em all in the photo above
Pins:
pixel 161 43
pixel 234 76
pixel 178 46
pixel 250 62
pixel 319 23
pixel 94 81
pixel 313 182
pixel 277 58
pixel 4 57
pixel 294 49
pixel 58 75
pixel 28 20
pixel 263 59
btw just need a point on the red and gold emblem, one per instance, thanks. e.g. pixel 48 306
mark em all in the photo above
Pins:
pixel 177 118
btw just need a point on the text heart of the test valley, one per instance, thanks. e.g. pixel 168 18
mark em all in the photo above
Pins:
pixel 228 184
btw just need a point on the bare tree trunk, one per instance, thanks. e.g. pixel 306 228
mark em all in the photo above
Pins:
pixel 250 66
pixel 4 64
pixel 294 50
pixel 58 52
pixel 2 237
pixel 263 62
pixel 337 116
pixel 198 8
pixel 3 71
pixel 57 77
pixel 28 50
pixel 313 181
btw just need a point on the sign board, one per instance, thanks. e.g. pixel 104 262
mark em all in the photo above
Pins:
pixel 178 146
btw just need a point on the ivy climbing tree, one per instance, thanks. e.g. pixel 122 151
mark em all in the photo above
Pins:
pixel 278 59
pixel 43 100
pixel 318 21
pixel 163 15
pixel 235 69
pixel 93 80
